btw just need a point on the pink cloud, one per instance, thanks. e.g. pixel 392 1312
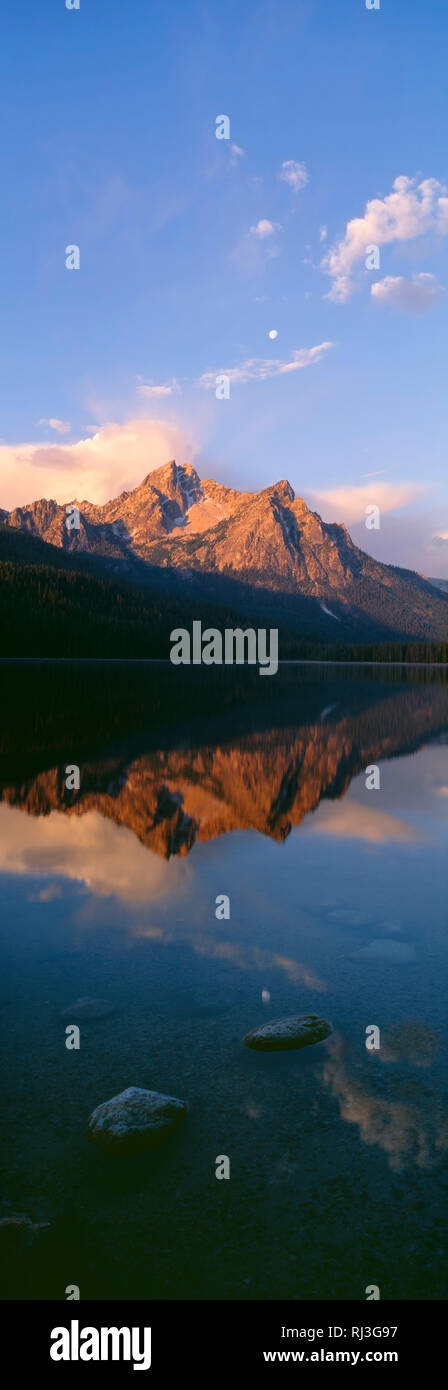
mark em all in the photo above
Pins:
pixel 349 503
pixel 113 459
pixel 418 294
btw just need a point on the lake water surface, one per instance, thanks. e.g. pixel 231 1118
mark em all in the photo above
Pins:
pixel 338 906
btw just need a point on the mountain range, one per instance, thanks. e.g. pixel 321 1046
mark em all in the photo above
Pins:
pixel 265 554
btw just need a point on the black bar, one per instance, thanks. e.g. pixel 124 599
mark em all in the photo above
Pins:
pixel 213 1342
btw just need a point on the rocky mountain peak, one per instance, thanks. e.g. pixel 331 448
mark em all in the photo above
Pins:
pixel 281 491
pixel 265 541
pixel 174 478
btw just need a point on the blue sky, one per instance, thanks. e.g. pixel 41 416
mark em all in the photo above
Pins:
pixel 192 249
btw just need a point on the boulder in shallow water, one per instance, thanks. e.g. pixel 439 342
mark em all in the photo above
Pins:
pixel 135 1119
pixel 284 1034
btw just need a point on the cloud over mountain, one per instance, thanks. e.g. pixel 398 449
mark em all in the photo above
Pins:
pixel 349 503
pixel 113 459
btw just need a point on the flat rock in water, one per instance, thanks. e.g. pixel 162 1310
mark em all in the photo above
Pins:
pixel 86 1008
pixel 135 1119
pixel 284 1034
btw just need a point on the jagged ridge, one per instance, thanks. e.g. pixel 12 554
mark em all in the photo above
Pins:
pixel 269 541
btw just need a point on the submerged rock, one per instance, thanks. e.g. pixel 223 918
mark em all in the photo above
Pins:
pixel 350 917
pixel 20 1230
pixel 87 1008
pixel 135 1119
pixel 283 1034
pixel 395 952
pixel 21 1259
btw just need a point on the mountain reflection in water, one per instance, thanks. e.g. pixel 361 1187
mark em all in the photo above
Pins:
pixel 337 895
pixel 265 779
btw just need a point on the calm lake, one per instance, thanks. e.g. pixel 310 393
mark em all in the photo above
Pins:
pixel 195 785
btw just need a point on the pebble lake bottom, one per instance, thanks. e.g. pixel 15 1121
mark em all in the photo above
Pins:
pixel 338 899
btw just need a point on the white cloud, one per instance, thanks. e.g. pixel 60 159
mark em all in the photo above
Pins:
pixel 293 173
pixel 61 426
pixel 151 391
pixel 264 228
pixel 322 233
pixel 256 248
pixel 237 153
pixel 421 292
pixel 260 368
pixel 341 289
pixel 349 503
pixel 411 210
pixel 116 458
